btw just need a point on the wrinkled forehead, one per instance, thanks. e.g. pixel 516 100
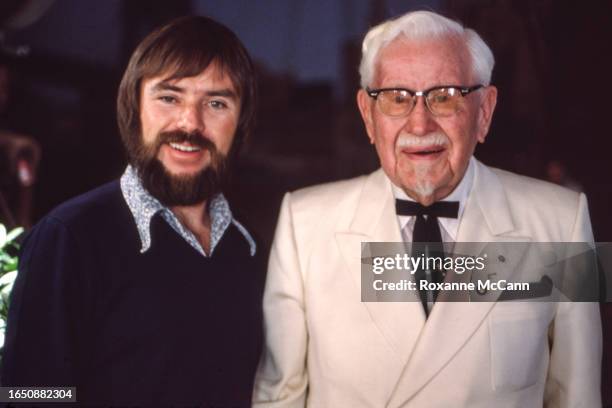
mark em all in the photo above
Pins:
pixel 440 59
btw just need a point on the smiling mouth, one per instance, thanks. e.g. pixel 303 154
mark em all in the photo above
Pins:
pixel 424 152
pixel 428 152
pixel 182 147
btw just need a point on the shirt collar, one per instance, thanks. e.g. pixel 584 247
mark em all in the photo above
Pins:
pixel 460 194
pixel 144 206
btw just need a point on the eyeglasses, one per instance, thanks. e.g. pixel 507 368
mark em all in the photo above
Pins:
pixel 440 100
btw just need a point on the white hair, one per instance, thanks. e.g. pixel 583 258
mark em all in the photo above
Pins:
pixel 421 25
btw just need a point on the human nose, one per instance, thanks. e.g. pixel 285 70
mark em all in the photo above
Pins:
pixel 420 120
pixel 190 118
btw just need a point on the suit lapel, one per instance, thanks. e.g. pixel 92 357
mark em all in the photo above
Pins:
pixel 487 218
pixel 487 213
pixel 375 221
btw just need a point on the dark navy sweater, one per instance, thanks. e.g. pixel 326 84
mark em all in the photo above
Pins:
pixel 166 327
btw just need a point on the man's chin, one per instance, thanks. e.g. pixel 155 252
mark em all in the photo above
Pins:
pixel 180 188
pixel 421 191
pixel 182 176
pixel 183 172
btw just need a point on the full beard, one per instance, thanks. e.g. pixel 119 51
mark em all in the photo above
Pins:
pixel 180 190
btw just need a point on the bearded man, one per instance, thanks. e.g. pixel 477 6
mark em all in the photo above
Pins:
pixel 426 102
pixel 146 291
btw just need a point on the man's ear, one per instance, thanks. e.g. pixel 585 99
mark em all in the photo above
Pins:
pixel 485 111
pixel 365 108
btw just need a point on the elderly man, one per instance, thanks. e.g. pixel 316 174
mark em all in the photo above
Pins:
pixel 426 102
pixel 147 291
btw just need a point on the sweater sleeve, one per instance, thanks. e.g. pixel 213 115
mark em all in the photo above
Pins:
pixel 46 320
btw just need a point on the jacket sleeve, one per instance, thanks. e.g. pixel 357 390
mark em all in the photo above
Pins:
pixel 282 378
pixel 46 312
pixel 574 377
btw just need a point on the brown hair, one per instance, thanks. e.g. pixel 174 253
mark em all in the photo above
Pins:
pixel 183 48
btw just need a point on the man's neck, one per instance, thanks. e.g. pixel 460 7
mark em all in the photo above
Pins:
pixel 197 220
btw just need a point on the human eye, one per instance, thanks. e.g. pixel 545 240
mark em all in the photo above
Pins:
pixel 167 99
pixel 445 101
pixel 399 97
pixel 395 102
pixel 440 98
pixel 443 96
pixel 218 104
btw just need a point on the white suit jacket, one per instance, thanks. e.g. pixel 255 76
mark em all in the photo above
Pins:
pixel 326 348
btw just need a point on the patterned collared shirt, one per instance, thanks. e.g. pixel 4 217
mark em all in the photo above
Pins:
pixel 144 206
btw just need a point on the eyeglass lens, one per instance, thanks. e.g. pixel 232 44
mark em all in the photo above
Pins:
pixel 441 102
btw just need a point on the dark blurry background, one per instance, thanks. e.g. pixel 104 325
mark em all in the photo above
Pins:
pixel 62 60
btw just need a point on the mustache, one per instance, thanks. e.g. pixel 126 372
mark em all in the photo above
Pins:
pixel 194 138
pixel 430 139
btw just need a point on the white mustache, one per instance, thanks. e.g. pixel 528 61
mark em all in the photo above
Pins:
pixel 430 139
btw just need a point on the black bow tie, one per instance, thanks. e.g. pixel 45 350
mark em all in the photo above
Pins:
pixel 445 209
pixel 427 238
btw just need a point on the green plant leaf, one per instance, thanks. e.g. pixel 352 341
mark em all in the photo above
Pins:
pixel 7 279
pixel 14 234
pixel 10 265
pixel 2 236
